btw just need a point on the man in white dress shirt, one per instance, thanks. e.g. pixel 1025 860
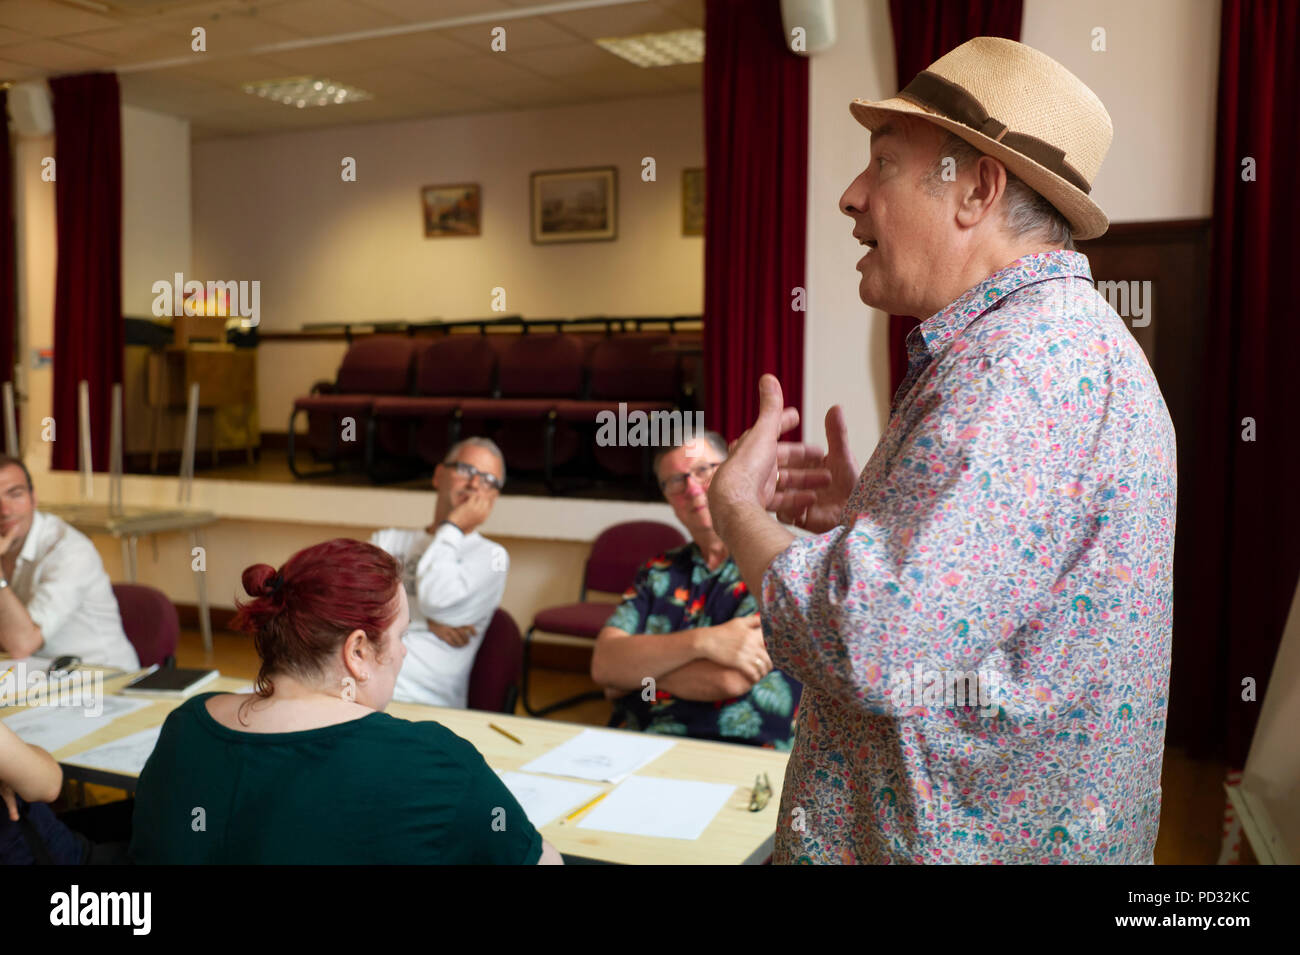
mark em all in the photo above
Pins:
pixel 55 596
pixel 454 577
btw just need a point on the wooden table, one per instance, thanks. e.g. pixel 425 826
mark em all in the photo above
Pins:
pixel 735 835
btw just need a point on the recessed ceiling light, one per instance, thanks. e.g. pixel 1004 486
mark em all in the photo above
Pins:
pixel 658 49
pixel 304 91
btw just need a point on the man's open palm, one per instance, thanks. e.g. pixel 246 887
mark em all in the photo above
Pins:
pixel 812 487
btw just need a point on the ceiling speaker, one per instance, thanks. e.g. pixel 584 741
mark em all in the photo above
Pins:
pixel 809 25
pixel 29 108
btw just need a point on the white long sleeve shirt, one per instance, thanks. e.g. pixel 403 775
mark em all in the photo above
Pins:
pixel 454 579
pixel 62 582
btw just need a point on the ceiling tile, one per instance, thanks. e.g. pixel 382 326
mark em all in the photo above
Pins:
pixel 134 44
pixel 569 59
pixel 53 57
pixel 8 37
pixel 404 48
pixel 483 73
pixel 326 17
pixel 529 33
pixel 18 71
pixel 692 11
pixel 239 32
pixel 422 11
pixel 686 76
pixel 619 21
pixel 49 19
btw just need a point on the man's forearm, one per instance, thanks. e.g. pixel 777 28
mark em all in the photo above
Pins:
pixel 754 539
pixel 705 681
pixel 623 660
pixel 19 637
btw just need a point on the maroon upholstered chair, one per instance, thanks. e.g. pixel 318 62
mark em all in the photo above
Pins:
pixel 150 622
pixel 493 680
pixel 448 370
pixel 376 366
pixel 616 556
pixel 640 372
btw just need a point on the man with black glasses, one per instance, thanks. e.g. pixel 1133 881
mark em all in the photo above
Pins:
pixel 454 577
pixel 684 654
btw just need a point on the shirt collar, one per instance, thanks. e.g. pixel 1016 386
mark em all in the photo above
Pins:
pixel 28 552
pixel 941 328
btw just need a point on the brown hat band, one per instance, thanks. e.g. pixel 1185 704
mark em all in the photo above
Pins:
pixel 949 100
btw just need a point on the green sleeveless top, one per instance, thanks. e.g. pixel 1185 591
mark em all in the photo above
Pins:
pixel 370 791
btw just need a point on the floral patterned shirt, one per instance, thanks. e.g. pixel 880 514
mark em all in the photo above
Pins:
pixel 1016 525
pixel 677 591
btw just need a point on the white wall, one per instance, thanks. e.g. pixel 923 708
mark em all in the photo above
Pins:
pixel 846 358
pixel 1158 79
pixel 274 208
pixel 155 204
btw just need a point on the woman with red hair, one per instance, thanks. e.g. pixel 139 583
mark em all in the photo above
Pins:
pixel 307 769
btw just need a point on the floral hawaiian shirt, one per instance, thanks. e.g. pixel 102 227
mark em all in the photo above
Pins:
pixel 677 591
pixel 984 640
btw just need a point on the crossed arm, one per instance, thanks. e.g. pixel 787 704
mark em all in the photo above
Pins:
pixel 703 663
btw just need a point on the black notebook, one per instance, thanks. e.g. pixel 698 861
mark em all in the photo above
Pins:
pixel 175 684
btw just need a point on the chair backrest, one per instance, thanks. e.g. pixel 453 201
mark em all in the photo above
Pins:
pixel 636 367
pixel 497 665
pixel 378 365
pixel 150 621
pixel 618 553
pixel 461 365
pixel 542 366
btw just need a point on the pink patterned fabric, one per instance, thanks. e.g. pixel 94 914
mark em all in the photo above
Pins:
pixel 1015 523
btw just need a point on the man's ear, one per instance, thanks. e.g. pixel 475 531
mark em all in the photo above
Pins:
pixel 990 182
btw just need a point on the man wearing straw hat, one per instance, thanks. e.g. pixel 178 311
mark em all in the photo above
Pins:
pixel 981 618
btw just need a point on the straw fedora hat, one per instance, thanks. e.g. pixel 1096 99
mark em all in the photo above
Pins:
pixel 1018 105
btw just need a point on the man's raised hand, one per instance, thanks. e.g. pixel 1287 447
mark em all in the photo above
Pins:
pixel 812 488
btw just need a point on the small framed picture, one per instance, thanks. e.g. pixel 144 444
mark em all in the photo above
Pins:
pixel 692 202
pixel 575 205
pixel 450 210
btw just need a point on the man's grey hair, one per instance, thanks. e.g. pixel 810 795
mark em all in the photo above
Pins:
pixel 715 441
pixel 1026 214
pixel 477 442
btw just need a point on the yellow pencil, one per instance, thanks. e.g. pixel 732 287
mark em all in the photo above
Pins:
pixel 506 735
pixel 585 806
pixel 5 674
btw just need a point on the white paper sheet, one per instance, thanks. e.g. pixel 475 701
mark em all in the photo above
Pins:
pixel 543 799
pixel 604 756
pixel 667 808
pixel 127 755
pixel 54 727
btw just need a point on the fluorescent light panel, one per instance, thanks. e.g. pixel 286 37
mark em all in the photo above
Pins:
pixel 305 91
pixel 658 49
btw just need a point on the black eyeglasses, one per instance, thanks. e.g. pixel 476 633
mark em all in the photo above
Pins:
pixel 469 472
pixel 703 474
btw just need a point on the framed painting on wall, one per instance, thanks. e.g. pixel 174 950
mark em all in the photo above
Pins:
pixel 692 202
pixel 575 205
pixel 451 210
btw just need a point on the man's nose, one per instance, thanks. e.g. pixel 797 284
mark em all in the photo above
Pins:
pixel 854 200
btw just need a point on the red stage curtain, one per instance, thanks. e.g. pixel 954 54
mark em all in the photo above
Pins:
pixel 88 329
pixel 1238 541
pixel 925 30
pixel 756 146
pixel 8 283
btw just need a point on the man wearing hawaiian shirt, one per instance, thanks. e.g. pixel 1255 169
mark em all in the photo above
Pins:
pixel 1015 523
pixel 684 652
